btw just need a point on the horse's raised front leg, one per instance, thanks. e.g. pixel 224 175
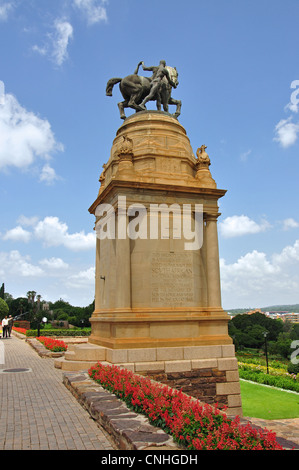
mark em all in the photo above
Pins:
pixel 178 104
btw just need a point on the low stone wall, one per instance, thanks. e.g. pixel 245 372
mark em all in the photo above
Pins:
pixel 129 431
pixel 41 350
pixel 198 383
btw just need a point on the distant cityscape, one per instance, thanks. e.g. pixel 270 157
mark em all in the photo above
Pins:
pixel 292 317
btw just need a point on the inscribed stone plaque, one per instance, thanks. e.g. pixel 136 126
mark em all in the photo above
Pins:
pixel 172 279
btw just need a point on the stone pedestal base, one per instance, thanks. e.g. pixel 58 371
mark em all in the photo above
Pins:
pixel 208 373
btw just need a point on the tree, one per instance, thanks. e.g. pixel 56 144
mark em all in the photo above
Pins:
pixel 31 296
pixel 2 292
pixel 38 299
pixel 256 334
pixel 282 346
pixel 18 306
pixel 8 298
pixel 3 308
pixel 294 334
pixel 248 329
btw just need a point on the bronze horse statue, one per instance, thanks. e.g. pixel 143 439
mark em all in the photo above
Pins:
pixel 135 88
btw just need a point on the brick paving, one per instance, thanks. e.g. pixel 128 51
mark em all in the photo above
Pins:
pixel 37 412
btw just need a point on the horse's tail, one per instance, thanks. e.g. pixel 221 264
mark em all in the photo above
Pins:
pixel 110 85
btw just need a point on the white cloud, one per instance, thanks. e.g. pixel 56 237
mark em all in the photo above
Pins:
pixel 245 155
pixel 94 10
pixel 290 254
pixel 61 38
pixel 57 42
pixel 40 50
pixel 14 264
pixel 252 264
pixel 286 132
pixel 255 280
pixel 54 264
pixel 27 221
pixel 17 234
pixel 24 136
pixel 55 233
pixel 5 8
pixel 48 174
pixel 82 279
pixel 239 225
pixel 52 232
pixel 293 107
pixel 290 223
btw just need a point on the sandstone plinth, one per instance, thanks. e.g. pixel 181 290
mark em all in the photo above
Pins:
pixel 157 299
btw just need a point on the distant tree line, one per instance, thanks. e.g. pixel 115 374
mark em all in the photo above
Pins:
pixel 31 308
pixel 247 331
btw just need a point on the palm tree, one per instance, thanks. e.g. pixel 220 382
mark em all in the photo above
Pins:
pixel 38 297
pixel 31 296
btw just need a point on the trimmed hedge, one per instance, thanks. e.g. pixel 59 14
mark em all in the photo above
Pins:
pixel 272 380
pixel 60 332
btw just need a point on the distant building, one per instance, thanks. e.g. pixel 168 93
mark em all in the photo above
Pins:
pixel 284 316
pixel 292 317
pixel 256 310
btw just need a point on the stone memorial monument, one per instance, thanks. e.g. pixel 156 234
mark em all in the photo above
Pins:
pixel 157 285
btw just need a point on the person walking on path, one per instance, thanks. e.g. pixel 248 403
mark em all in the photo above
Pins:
pixel 4 327
pixel 10 325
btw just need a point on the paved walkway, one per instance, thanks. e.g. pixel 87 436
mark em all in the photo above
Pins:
pixel 37 412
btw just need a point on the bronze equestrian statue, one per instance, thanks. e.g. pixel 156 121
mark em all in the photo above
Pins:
pixel 137 90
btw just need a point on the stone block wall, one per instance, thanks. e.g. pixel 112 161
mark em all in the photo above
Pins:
pixel 198 383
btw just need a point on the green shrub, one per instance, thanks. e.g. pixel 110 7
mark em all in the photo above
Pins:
pixel 64 332
pixel 293 368
pixel 267 379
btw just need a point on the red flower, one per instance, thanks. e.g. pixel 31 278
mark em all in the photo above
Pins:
pixel 193 424
pixel 52 344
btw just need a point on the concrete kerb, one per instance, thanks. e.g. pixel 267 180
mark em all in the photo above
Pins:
pixel 41 349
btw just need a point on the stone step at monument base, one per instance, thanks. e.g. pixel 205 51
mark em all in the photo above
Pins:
pixel 71 366
pixel 159 357
pixel 86 352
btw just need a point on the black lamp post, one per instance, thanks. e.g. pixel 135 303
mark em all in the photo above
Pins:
pixel 43 320
pixel 266 349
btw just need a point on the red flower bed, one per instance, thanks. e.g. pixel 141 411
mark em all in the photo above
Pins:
pixel 54 345
pixel 19 330
pixel 195 425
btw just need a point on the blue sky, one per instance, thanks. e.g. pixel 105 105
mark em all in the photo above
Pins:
pixel 238 72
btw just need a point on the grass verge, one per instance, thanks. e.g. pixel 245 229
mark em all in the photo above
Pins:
pixel 263 402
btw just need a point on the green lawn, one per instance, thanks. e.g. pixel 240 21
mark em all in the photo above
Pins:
pixel 263 402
